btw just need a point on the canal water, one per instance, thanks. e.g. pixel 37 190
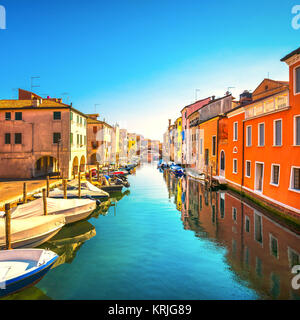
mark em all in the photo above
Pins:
pixel 169 238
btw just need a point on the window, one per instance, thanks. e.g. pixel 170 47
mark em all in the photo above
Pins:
pixel 273 246
pixel 235 131
pixel 18 116
pixel 201 146
pixel 7 115
pixel 297 80
pixel 275 174
pixel 258 228
pixel 234 213
pixel 297 130
pixel 56 137
pixel 295 179
pixel 80 120
pixel 214 139
pixel 18 138
pixel 56 115
pixel 247 224
pixel 261 134
pixel 80 139
pixel 7 138
pixel 248 168
pixel 71 116
pixel 206 157
pixel 77 138
pixel 234 165
pixel 71 138
pixel 249 136
pixel 277 132
pixel 77 118
pixel 222 205
pixel 85 140
pixel 95 129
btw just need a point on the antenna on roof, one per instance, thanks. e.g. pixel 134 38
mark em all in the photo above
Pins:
pixel 228 89
pixel 64 94
pixel 95 105
pixel 31 83
pixel 196 91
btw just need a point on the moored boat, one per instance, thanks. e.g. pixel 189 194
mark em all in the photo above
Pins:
pixel 31 232
pixel 23 268
pixel 73 209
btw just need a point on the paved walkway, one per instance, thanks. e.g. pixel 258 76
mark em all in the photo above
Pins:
pixel 12 191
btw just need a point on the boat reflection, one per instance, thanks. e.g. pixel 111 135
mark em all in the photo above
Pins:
pixel 69 240
pixel 32 293
pixel 260 250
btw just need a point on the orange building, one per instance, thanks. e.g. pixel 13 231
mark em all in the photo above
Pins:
pixel 259 142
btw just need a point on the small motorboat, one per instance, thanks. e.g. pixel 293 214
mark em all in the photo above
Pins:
pixel 31 232
pixel 177 170
pixel 73 209
pixel 23 268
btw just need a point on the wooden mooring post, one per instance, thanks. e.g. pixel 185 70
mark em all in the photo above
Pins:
pixel 7 226
pixel 211 171
pixel 65 188
pixel 79 185
pixel 98 173
pixel 48 186
pixel 45 202
pixel 24 192
pixel 90 175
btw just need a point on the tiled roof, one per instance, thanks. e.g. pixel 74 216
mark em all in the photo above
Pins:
pixel 13 104
pixel 94 121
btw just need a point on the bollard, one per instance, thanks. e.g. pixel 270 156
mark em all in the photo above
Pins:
pixel 98 173
pixel 48 186
pixel 45 202
pixel 7 226
pixel 65 188
pixel 79 185
pixel 24 193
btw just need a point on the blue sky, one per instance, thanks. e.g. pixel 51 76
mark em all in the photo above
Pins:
pixel 141 60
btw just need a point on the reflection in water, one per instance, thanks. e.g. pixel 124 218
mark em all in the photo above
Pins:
pixel 69 240
pixel 32 293
pixel 260 251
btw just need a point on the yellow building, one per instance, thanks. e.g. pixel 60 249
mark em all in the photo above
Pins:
pixel 178 141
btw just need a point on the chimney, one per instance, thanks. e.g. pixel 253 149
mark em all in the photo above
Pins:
pixel 213 98
pixel 170 122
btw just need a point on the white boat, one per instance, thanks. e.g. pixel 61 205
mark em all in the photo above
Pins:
pixel 73 209
pixel 87 190
pixel 31 232
pixel 23 268
pixel 195 175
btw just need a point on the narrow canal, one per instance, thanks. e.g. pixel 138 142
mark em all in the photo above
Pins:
pixel 170 239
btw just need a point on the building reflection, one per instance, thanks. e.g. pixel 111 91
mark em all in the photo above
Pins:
pixel 260 250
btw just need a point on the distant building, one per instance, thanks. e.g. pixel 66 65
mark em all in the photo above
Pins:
pixel 41 137
pixel 99 140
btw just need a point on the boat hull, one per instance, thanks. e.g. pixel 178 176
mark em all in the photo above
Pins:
pixel 21 283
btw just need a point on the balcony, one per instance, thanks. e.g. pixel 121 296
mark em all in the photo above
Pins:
pixel 267 106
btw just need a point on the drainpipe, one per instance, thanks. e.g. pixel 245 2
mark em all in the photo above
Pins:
pixel 243 157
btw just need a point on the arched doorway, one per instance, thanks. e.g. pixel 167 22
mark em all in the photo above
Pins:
pixel 75 166
pixel 45 165
pixel 82 164
pixel 222 163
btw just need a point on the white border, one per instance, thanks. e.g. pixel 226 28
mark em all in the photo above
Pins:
pixel 233 166
pixel 294 84
pixel 248 145
pixel 294 130
pixel 237 131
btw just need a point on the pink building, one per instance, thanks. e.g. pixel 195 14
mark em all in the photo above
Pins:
pixel 185 113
